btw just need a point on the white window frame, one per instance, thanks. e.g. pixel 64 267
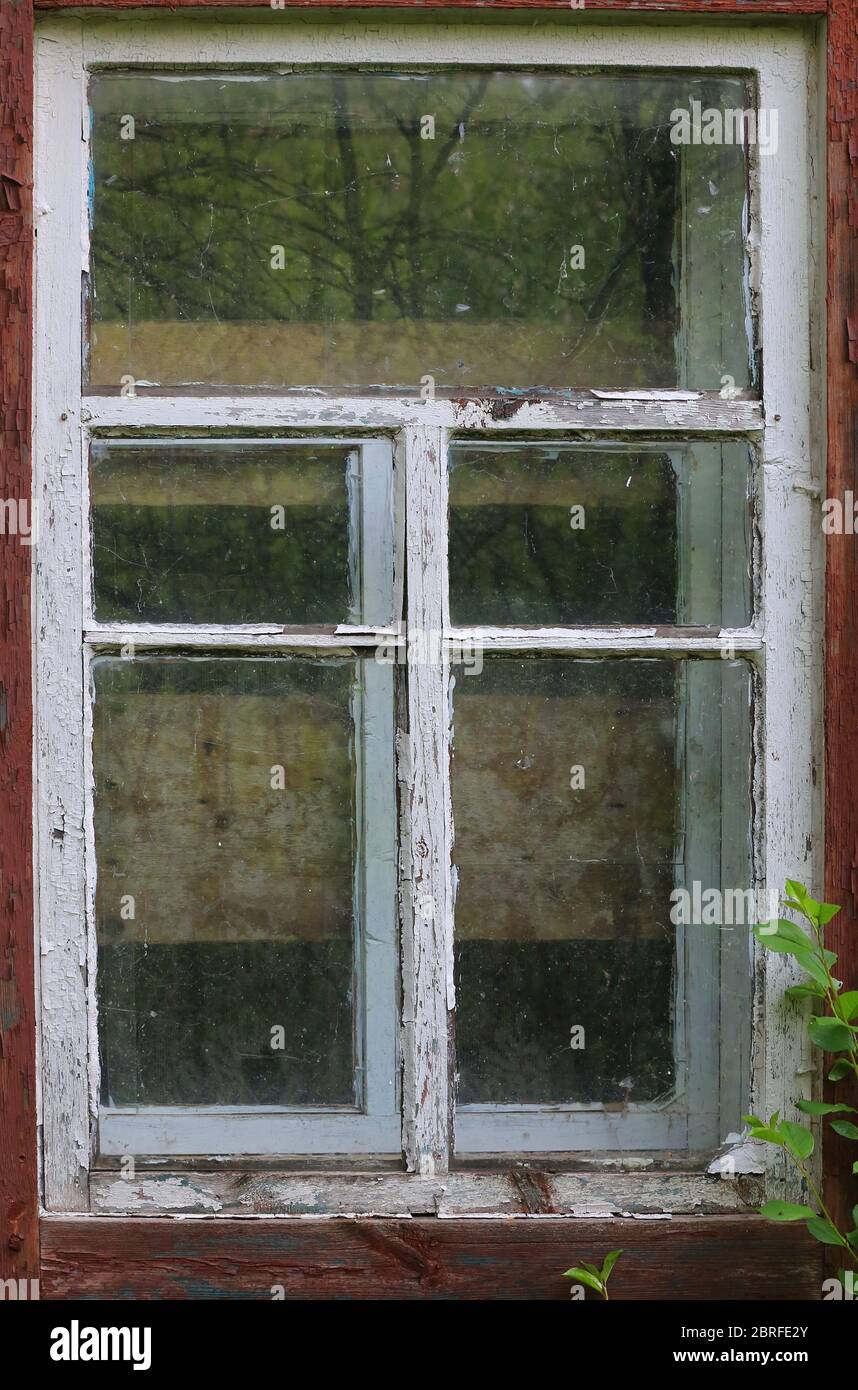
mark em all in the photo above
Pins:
pixel 783 643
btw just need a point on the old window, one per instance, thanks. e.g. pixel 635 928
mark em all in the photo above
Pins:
pixel 421 542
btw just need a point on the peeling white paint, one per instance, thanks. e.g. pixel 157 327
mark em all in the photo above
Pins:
pixel 649 395
pixel 570 411
pixel 739 1156
pixel 427 935
pixel 459 1194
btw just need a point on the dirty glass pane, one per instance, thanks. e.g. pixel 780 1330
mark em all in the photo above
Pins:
pixel 560 533
pixel 584 793
pixel 437 230
pixel 232 531
pixel 225 828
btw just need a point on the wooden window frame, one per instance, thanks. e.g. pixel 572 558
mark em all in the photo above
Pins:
pixel 372 1125
pixel 18 1202
pixel 67 52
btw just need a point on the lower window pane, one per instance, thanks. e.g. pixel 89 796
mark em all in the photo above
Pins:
pixel 225 832
pixel 585 792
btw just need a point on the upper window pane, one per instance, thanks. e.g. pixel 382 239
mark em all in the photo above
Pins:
pixel 563 533
pixel 232 531
pixel 480 228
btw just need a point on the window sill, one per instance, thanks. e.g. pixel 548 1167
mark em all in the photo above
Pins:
pixel 520 1190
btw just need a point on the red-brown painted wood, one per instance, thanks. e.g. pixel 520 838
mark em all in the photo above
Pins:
pixel 735 7
pixel 841 761
pixel 724 1258
pixel 18 1197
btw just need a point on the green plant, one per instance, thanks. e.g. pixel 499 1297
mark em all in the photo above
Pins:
pixel 593 1277
pixel 834 1032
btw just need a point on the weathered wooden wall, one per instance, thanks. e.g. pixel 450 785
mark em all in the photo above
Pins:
pixel 841 763
pixel 18 1162
pixel 723 1258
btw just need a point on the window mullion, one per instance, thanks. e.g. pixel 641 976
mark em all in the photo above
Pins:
pixel 427 906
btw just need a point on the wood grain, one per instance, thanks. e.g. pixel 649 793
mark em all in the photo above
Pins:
pixel 18 1196
pixel 725 1258
pixel 841 760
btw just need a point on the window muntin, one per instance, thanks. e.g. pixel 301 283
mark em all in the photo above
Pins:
pixel 423 429
pixel 481 227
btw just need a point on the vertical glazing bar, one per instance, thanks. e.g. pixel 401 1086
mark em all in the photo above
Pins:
pixel 426 907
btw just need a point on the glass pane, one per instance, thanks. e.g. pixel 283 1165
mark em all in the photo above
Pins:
pixel 584 793
pixel 477 228
pixel 225 832
pixel 559 533
pixel 223 531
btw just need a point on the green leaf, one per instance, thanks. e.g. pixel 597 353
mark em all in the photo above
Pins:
pixel 848 1004
pixel 855 1168
pixel 813 966
pixel 806 991
pixel 753 1120
pixel 821 1107
pixel 784 928
pixel 767 1134
pixel 802 951
pixel 846 1128
pixel 824 1231
pixel 796 890
pixel 582 1276
pixel 852 1239
pixel 776 941
pixel 830 1034
pixel 839 1070
pixel 826 912
pixel 591 1269
pixel 610 1260
pixel 799 1140
pixel 785 1211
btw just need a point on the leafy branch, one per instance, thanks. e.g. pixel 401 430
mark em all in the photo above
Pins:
pixel 835 1033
